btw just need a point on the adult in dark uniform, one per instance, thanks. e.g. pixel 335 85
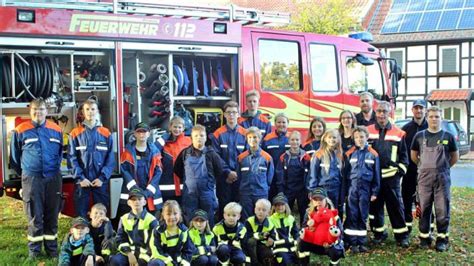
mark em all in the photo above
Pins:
pixel 36 152
pixel 389 142
pixel 409 180
pixel 435 151
pixel 366 117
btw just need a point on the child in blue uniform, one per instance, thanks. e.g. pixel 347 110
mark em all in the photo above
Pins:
pixel 260 234
pixel 78 245
pixel 362 172
pixel 255 171
pixel 230 234
pixel 203 239
pixel 287 232
pixel 326 168
pixel 170 243
pixel 293 168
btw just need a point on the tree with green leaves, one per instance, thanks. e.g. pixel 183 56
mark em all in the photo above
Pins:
pixel 334 17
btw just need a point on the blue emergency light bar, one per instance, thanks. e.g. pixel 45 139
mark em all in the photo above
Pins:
pixel 363 36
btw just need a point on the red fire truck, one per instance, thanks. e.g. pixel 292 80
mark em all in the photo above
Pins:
pixel 147 62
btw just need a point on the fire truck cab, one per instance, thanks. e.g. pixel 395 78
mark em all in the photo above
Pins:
pixel 148 62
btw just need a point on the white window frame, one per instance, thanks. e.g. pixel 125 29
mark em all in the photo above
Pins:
pixel 403 50
pixel 440 56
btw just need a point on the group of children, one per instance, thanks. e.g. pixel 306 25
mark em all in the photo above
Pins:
pixel 271 236
pixel 246 165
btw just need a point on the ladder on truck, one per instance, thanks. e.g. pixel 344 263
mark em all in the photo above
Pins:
pixel 232 13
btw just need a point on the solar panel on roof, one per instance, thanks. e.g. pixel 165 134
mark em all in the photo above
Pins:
pixel 391 24
pixel 454 4
pixel 429 15
pixel 400 5
pixel 469 3
pixel 449 20
pixel 434 4
pixel 467 20
pixel 416 6
pixel 410 22
pixel 429 21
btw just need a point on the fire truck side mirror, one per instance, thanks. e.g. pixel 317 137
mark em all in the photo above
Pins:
pixel 395 76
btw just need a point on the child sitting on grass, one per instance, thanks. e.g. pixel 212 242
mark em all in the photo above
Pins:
pixel 78 246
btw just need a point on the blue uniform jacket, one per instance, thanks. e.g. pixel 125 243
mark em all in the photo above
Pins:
pixel 36 150
pixel 229 143
pixel 275 144
pixel 259 120
pixel 311 146
pixel 172 249
pixel 91 153
pixel 150 182
pixel 292 170
pixel 255 172
pixel 363 167
pixel 319 176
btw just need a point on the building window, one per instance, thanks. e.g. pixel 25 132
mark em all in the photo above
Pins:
pixel 279 65
pixel 449 59
pixel 323 67
pixel 452 113
pixel 399 55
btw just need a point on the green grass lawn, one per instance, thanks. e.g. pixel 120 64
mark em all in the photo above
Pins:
pixel 14 251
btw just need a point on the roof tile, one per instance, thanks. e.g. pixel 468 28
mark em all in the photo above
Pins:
pixel 449 95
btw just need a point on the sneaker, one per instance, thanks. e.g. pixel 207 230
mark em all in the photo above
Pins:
pixel 441 246
pixel 404 243
pixel 363 249
pixel 380 238
pixel 355 249
pixel 425 243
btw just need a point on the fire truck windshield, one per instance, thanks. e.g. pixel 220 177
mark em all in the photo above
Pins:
pixel 362 78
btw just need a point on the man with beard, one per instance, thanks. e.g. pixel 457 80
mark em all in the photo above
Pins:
pixel 409 180
pixel 366 117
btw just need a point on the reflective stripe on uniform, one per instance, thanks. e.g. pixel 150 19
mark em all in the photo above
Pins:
pixel 389 172
pixel 280 250
pixel 335 262
pixel 55 140
pixel 272 146
pixel 169 187
pixel 392 138
pixel 353 160
pixel 371 217
pixel 77 251
pixel 151 188
pixel 353 232
pixel 374 136
pixel 78 148
pixel 35 238
pixel 379 229
pixel 243 169
pixel 423 235
pixel 400 230
pixel 303 254
pixel 369 161
pixel 409 224
pixel 50 237
pixel 131 184
pixel 393 156
pixel 404 168
pixel 441 235
pixel 31 140
pixel 102 148
pixel 158 201
pixel 223 146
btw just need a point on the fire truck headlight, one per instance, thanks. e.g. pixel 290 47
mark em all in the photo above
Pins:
pixel 25 16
